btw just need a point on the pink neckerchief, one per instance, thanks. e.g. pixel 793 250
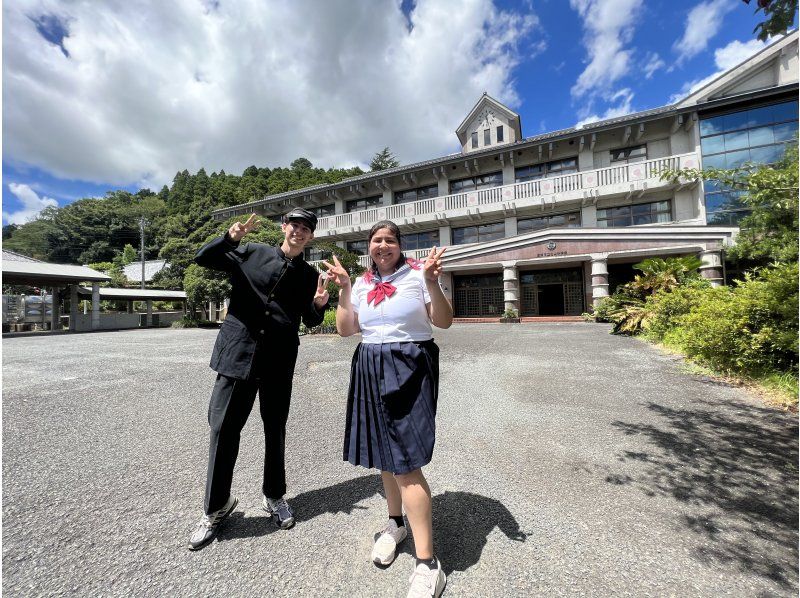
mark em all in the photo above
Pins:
pixel 383 289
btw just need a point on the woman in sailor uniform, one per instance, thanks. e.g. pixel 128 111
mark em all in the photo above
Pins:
pixel 394 382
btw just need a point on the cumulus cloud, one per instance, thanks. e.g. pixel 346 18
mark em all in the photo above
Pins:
pixel 32 204
pixel 132 95
pixel 623 106
pixel 702 23
pixel 725 58
pixel 608 26
pixel 653 64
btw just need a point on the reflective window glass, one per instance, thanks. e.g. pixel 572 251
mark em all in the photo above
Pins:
pixel 736 159
pixel 735 141
pixel 785 131
pixel 710 126
pixel 767 154
pixel 761 136
pixel 760 116
pixel 785 111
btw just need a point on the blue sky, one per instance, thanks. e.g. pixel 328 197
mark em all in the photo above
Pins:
pixel 113 97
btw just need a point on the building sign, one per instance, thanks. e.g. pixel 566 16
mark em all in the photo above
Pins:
pixel 551 246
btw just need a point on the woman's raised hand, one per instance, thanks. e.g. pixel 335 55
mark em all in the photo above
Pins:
pixel 433 264
pixel 337 273
pixel 239 230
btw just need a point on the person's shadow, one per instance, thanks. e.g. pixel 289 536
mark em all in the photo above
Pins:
pixel 462 521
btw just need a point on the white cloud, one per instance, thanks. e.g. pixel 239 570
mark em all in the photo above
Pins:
pixel 653 64
pixel 702 23
pixel 725 58
pixel 608 26
pixel 624 99
pixel 32 204
pixel 144 93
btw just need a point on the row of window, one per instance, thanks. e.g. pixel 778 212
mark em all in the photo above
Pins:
pixel 487 137
pixel 645 213
pixel 727 141
pixel 485 181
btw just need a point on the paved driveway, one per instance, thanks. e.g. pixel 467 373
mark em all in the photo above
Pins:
pixel 568 462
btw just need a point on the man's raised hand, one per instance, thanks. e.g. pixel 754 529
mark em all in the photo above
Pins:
pixel 239 230
pixel 337 273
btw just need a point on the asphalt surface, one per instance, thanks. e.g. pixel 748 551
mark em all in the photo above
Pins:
pixel 569 462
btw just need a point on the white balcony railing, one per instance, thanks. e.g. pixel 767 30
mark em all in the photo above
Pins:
pixel 601 181
pixel 363 260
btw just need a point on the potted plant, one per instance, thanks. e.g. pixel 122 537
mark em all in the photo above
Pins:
pixel 510 316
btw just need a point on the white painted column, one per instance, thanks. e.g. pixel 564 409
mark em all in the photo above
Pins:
pixel 387 198
pixel 74 302
pixel 445 236
pixel 95 306
pixel 510 286
pixel 444 186
pixel 589 216
pixel 338 206
pixel 55 320
pixel 711 268
pixel 599 278
pixel 511 226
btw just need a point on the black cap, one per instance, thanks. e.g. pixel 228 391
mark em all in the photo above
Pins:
pixel 302 214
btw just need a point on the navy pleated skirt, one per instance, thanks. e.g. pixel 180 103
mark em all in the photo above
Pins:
pixel 391 406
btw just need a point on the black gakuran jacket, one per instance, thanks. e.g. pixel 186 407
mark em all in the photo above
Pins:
pixel 270 293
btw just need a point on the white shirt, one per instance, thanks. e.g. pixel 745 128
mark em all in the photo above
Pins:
pixel 400 318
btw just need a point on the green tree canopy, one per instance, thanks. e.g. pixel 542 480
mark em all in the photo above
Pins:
pixel 778 17
pixel 383 159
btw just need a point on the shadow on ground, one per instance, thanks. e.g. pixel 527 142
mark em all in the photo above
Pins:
pixel 462 520
pixel 736 465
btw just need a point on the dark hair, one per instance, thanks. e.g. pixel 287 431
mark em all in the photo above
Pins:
pixel 393 228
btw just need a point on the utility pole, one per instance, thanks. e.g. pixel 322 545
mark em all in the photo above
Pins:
pixel 141 236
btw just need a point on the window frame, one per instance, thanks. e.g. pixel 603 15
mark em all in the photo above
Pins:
pixel 374 202
pixel 474 137
pixel 630 216
pixel 500 135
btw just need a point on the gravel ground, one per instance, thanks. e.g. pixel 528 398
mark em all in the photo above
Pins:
pixel 568 463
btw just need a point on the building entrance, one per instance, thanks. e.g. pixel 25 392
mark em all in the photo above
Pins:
pixel 551 292
pixel 478 295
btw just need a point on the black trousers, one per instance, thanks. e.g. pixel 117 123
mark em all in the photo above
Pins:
pixel 230 406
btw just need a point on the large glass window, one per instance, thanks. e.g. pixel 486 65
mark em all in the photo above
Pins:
pixel 629 155
pixel 354 205
pixel 358 247
pixel 474 139
pixel 570 220
pixel 487 137
pixel 484 181
pixel 499 134
pixel 643 213
pixel 479 233
pixel 547 169
pixel 321 211
pixel 757 135
pixel 424 240
pixel 416 194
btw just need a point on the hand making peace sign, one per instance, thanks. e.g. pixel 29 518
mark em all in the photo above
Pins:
pixel 239 230
pixel 337 273
pixel 433 264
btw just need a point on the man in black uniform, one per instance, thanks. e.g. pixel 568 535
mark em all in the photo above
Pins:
pixel 272 288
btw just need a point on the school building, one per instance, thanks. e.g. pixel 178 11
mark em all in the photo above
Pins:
pixel 548 225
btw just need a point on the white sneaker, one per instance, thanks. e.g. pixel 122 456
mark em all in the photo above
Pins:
pixel 208 526
pixel 386 542
pixel 427 582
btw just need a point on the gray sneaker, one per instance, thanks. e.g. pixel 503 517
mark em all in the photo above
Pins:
pixel 208 526
pixel 386 543
pixel 427 582
pixel 280 511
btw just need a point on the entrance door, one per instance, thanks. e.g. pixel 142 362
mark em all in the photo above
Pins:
pixel 478 295
pixel 551 299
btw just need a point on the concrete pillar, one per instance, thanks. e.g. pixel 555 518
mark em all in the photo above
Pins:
pixel 509 176
pixel 212 311
pixel 712 266
pixel 388 196
pixel 510 286
pixel 599 279
pixel 445 236
pixel 444 187
pixel 95 306
pixel 130 306
pixel 55 321
pixel 338 206
pixel 589 216
pixel 511 226
pixel 586 158
pixel 149 321
pixel 74 302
